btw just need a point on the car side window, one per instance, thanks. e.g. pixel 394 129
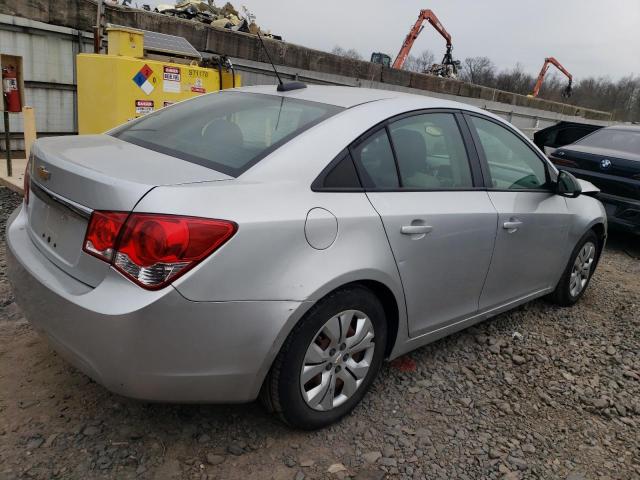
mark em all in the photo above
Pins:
pixel 512 164
pixel 569 135
pixel 374 158
pixel 343 175
pixel 431 153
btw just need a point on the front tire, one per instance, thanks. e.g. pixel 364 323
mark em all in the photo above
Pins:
pixel 579 271
pixel 329 360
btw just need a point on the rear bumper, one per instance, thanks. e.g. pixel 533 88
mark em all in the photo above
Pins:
pixel 154 346
pixel 622 213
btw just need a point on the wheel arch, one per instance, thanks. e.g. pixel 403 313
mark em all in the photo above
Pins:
pixel 601 233
pixel 385 285
pixel 383 292
pixel 391 309
pixel 391 303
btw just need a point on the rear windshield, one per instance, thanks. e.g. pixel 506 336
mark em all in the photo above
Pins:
pixel 226 131
pixel 621 140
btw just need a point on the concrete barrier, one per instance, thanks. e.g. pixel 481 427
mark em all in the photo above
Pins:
pixel 393 76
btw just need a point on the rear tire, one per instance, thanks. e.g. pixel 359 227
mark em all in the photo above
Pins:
pixel 577 275
pixel 328 361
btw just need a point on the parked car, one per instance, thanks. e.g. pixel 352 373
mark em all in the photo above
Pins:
pixel 610 159
pixel 562 133
pixel 284 243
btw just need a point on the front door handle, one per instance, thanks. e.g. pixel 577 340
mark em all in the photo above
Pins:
pixel 416 229
pixel 512 225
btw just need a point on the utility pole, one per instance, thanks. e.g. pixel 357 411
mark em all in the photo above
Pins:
pixel 7 136
pixel 98 29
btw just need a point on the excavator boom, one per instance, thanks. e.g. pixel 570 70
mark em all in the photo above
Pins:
pixel 428 16
pixel 543 71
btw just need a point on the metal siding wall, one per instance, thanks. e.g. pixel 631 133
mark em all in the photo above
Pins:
pixel 48 57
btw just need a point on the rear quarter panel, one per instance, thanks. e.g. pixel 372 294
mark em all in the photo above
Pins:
pixel 269 258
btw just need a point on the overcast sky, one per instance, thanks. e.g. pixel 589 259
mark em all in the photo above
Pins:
pixel 589 37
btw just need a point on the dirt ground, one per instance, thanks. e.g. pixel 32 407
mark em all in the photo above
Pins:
pixel 539 392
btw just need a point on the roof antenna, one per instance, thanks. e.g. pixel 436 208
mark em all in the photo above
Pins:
pixel 282 86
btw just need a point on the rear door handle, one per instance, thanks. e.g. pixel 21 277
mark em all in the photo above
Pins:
pixel 512 225
pixel 416 229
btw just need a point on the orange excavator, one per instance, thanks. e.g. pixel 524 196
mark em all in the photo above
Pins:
pixel 566 92
pixel 448 68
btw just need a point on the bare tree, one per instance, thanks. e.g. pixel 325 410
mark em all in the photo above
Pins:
pixel 421 63
pixel 621 97
pixel 478 70
pixel 553 86
pixel 411 64
pixel 515 80
pixel 351 53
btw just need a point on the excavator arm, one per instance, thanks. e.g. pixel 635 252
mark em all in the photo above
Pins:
pixel 425 15
pixel 547 62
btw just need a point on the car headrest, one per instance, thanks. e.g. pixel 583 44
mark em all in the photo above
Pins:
pixel 224 133
pixel 411 149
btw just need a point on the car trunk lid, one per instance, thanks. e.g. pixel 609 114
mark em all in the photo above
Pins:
pixel 72 176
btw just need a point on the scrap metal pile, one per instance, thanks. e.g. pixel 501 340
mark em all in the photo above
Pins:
pixel 206 12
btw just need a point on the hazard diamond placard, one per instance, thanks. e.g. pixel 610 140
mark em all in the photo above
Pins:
pixel 142 79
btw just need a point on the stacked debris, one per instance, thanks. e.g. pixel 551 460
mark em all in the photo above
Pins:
pixel 221 17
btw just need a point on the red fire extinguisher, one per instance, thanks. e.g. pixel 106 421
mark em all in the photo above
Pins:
pixel 10 89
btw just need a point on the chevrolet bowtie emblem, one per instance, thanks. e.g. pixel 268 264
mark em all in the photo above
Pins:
pixel 43 173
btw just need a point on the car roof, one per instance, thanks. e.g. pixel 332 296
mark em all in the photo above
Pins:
pixel 333 95
pixel 348 97
pixel 629 128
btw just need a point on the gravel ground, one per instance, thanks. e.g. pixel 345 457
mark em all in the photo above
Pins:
pixel 539 392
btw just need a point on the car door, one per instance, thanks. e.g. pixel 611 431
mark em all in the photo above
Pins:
pixel 438 219
pixel 533 222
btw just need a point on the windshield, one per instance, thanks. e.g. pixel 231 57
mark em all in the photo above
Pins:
pixel 621 140
pixel 227 131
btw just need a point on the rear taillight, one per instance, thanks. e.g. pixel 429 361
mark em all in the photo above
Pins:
pixel 152 249
pixel 102 234
pixel 26 183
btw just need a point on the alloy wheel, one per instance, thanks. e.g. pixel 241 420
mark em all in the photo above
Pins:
pixel 582 268
pixel 337 360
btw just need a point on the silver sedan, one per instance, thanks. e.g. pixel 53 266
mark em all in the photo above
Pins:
pixel 283 244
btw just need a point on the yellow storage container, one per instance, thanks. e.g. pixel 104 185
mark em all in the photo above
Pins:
pixel 127 42
pixel 113 89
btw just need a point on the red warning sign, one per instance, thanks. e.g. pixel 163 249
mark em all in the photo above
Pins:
pixel 171 74
pixel 197 87
pixel 144 106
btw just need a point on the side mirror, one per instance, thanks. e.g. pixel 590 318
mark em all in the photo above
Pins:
pixel 567 185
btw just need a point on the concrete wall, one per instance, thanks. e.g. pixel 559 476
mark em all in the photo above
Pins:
pixel 81 15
